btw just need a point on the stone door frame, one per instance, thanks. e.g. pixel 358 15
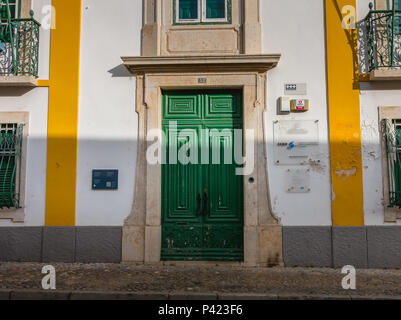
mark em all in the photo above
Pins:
pixel 142 228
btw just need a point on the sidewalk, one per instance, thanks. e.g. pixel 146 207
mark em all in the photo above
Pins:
pixel 197 281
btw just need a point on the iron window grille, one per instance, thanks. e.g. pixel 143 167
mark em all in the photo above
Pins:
pixel 10 164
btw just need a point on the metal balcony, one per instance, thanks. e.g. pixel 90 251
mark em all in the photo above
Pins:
pixel 383 28
pixel 19 48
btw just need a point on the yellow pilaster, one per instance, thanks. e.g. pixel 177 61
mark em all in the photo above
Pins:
pixel 344 117
pixel 63 114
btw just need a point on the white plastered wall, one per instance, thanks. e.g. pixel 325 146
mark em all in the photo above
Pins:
pixel 42 14
pixel 296 30
pixel 372 96
pixel 108 123
pixel 34 101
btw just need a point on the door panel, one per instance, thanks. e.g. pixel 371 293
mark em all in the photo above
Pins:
pixel 223 105
pixel 223 226
pixel 227 237
pixel 181 242
pixel 181 106
pixel 202 205
pixel 182 181
pixel 225 187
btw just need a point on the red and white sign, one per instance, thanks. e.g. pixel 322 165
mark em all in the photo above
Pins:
pixel 300 105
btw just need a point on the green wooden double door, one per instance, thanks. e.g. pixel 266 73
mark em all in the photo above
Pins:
pixel 202 195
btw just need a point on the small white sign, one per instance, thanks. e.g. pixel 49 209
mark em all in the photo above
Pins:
pixel 298 180
pixel 295 89
pixel 295 141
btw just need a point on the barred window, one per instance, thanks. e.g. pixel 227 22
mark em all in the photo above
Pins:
pixel 10 164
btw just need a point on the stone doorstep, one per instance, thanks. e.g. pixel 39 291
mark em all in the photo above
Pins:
pixel 178 296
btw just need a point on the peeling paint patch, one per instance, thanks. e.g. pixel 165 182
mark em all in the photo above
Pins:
pixel 345 174
pixel 316 166
pixel 374 155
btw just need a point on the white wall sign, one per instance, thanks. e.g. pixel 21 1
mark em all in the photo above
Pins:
pixel 295 89
pixel 298 180
pixel 295 141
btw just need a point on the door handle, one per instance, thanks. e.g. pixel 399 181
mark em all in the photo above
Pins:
pixel 205 211
pixel 198 209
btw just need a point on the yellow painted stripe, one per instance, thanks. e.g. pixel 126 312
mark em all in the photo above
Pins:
pixel 43 83
pixel 63 114
pixel 344 118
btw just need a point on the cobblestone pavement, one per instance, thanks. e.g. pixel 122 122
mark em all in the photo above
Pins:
pixel 200 278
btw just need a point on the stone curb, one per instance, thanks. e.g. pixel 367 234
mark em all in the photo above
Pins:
pixel 94 295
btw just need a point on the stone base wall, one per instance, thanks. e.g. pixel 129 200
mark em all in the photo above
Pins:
pixel 60 244
pixel 333 247
pixel 361 247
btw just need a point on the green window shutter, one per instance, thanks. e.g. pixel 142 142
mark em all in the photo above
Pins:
pixel 4 28
pixel 393 149
pixel 10 158
pixel 215 9
pixel 188 9
pixel 3 9
pixel 397 18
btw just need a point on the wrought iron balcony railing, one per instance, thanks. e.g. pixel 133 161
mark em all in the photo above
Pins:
pixel 19 47
pixel 383 29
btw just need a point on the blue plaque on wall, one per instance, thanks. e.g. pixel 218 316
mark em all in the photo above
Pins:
pixel 104 179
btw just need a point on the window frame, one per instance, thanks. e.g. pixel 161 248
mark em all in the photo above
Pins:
pixel 201 14
pixel 17 15
pixel 204 8
pixel 387 113
pixel 17 12
pixel 177 14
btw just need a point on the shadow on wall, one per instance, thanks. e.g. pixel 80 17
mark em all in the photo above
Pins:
pixel 120 71
pixel 363 52
pixel 111 152
pixel 15 92
pixel 112 149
